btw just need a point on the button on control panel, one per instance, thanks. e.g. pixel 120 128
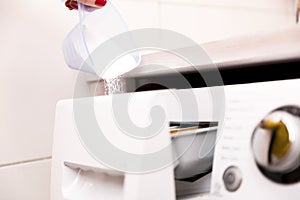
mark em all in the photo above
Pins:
pixel 232 178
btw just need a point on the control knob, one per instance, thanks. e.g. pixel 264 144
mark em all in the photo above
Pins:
pixel 276 145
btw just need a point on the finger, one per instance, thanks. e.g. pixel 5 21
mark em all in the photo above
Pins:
pixel 93 3
pixel 73 4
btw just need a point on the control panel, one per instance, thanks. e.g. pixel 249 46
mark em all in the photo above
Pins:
pixel 257 152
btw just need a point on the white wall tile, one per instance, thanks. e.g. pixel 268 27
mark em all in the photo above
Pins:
pixel 266 5
pixel 139 13
pixel 205 23
pixel 30 181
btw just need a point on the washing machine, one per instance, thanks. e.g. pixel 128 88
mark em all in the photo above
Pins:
pixel 234 137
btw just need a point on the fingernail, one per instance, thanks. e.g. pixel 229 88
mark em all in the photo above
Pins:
pixel 100 2
pixel 75 5
pixel 72 5
pixel 68 4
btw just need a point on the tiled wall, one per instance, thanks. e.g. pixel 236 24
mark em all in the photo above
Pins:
pixel 33 76
pixel 208 20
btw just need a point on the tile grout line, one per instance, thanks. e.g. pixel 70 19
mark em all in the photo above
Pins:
pixel 212 5
pixel 25 162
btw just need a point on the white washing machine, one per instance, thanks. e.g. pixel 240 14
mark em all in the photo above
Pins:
pixel 240 140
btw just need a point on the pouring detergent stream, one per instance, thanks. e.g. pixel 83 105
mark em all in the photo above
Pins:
pixel 94 28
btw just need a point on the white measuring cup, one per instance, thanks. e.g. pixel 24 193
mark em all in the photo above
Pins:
pixel 96 26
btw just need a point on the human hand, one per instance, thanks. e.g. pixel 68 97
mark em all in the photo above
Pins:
pixel 73 4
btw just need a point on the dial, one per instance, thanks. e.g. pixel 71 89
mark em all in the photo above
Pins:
pixel 276 145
